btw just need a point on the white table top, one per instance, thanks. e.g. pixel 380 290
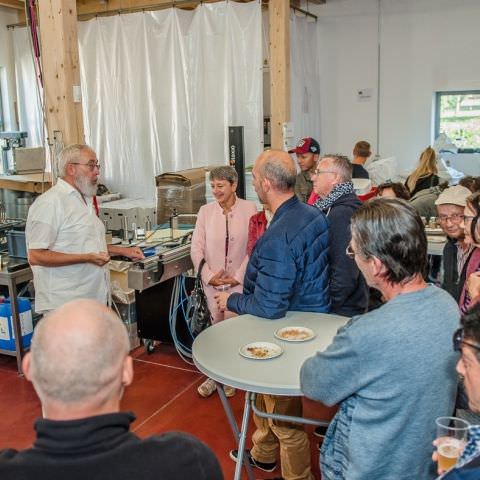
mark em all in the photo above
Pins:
pixel 216 351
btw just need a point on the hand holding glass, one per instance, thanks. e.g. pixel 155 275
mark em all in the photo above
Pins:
pixel 452 435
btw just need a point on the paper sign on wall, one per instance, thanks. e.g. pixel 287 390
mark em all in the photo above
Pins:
pixel 364 94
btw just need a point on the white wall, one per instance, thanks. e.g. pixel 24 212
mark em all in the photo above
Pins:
pixel 7 75
pixel 426 46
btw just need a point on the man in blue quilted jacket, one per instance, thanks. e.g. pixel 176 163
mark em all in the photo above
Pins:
pixel 288 270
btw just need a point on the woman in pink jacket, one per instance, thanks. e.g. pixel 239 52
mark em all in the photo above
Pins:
pixel 220 237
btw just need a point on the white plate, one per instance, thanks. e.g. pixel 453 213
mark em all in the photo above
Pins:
pixel 260 350
pixel 295 334
pixel 436 239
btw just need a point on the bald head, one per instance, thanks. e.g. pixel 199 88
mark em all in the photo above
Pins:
pixel 77 353
pixel 278 167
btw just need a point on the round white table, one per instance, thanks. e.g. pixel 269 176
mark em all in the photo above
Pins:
pixel 216 354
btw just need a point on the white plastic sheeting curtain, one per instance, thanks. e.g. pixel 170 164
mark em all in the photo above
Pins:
pixel 29 107
pixel 305 78
pixel 160 89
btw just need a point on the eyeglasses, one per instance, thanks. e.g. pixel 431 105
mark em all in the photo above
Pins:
pixel 458 341
pixel 469 217
pixel 349 252
pixel 454 218
pixel 91 165
pixel 319 172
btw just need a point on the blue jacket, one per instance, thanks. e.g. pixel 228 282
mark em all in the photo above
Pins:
pixel 288 268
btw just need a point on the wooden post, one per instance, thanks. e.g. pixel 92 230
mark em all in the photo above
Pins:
pixel 61 70
pixel 279 19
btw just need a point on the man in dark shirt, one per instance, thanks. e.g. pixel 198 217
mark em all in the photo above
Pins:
pixel 79 366
pixel 456 253
pixel 287 271
pixel 332 183
pixel 361 153
pixel 307 152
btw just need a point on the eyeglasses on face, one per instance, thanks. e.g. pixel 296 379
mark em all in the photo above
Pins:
pixel 350 252
pixel 459 340
pixel 319 172
pixel 454 218
pixel 469 217
pixel 91 165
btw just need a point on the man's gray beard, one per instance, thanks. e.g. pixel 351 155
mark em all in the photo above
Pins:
pixel 85 186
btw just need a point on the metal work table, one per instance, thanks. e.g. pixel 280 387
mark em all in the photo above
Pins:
pixel 216 354
pixel 11 280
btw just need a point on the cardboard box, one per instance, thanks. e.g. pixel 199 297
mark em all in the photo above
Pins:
pixel 183 191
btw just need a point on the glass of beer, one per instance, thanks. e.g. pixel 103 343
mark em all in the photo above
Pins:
pixel 452 433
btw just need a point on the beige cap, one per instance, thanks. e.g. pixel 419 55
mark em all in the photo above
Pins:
pixel 456 195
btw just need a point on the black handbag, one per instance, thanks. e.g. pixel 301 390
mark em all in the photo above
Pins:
pixel 197 314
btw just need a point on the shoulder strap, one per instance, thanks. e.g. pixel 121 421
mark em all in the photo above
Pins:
pixel 200 266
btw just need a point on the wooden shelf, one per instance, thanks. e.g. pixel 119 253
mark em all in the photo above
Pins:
pixel 33 182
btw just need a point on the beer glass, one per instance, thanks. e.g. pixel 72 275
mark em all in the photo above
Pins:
pixel 452 435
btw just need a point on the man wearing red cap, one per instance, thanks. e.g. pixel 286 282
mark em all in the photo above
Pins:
pixel 307 151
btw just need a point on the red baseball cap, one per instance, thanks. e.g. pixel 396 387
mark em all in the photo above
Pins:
pixel 306 145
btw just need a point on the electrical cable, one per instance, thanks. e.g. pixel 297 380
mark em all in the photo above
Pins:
pixel 178 299
pixel 183 351
pixel 31 18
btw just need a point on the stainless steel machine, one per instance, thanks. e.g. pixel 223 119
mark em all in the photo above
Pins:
pixel 10 141
pixel 169 262
pixel 153 280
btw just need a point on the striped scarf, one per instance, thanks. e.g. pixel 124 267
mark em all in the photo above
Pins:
pixel 339 190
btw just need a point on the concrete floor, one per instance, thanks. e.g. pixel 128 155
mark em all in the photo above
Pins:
pixel 163 396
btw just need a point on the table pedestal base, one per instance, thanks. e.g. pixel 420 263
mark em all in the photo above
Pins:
pixel 241 435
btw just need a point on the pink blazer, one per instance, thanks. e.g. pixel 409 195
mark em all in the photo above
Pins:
pixel 208 242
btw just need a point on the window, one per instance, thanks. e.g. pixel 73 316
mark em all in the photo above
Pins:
pixel 457 114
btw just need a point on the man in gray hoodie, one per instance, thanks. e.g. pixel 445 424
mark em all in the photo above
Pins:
pixel 391 370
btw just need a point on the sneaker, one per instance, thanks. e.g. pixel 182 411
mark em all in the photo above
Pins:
pixel 320 432
pixel 229 391
pixel 266 467
pixel 206 389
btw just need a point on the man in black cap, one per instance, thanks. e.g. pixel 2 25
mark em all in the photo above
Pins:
pixel 307 151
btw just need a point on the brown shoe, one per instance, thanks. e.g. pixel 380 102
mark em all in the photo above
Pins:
pixel 207 388
pixel 229 391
